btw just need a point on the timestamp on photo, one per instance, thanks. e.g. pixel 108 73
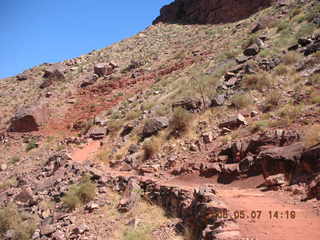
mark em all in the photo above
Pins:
pixel 276 214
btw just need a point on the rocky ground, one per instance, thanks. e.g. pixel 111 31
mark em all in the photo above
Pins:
pixel 203 126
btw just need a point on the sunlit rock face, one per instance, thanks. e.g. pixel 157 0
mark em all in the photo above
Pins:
pixel 209 11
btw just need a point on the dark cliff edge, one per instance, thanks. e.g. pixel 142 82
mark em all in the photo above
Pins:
pixel 209 11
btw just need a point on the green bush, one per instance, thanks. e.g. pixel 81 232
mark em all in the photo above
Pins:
pixel 180 122
pixel 150 148
pixel 241 101
pixel 31 145
pixel 80 194
pixel 259 81
pixel 12 219
pixel 282 25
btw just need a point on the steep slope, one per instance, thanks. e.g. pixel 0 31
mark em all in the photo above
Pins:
pixel 216 97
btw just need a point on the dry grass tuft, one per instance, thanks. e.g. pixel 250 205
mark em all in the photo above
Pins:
pixel 259 81
pixel 241 101
pixel 180 122
pixel 311 135
pixel 12 219
pixel 80 194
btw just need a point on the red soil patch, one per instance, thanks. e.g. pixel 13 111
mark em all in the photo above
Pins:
pixel 86 152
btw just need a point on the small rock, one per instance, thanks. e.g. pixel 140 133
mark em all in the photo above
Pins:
pixel 80 229
pixel 58 235
pixel 10 234
pixel 3 167
pixel 276 180
pixel 252 50
pixel 207 137
pixel 92 206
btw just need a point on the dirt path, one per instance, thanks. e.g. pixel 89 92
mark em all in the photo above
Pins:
pixel 250 207
pixel 86 152
pixel 289 220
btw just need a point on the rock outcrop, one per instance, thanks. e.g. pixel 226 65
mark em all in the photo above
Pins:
pixel 209 11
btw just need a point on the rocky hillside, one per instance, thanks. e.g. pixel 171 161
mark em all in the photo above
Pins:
pixel 208 119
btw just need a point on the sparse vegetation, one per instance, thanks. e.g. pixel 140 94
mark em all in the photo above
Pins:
pixel 11 219
pixel 150 148
pixel 290 58
pixel 240 101
pixel 260 81
pixel 14 160
pixel 180 122
pixel 311 135
pixel 259 125
pixel 31 145
pixel 272 101
pixel 80 193
pixel 281 69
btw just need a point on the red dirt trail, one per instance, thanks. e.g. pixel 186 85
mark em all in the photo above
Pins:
pixel 243 195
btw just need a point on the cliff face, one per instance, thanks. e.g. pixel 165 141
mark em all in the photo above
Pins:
pixel 209 11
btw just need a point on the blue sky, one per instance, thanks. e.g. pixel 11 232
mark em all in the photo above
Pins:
pixel 37 31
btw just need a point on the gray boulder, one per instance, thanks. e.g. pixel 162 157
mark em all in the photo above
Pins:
pixel 252 50
pixel 153 126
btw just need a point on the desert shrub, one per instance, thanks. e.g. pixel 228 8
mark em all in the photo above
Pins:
pixel 315 97
pixel 240 101
pixel 140 233
pixel 290 112
pixel 271 101
pixel 83 126
pixel 314 79
pixel 12 219
pixel 311 135
pixel 150 148
pixel 259 125
pixel 295 12
pixel 251 40
pixel 114 127
pixel 80 194
pixel 134 114
pixel 290 58
pixel 312 13
pixel 305 30
pixel 180 122
pixel 258 81
pixel 14 159
pixel 281 69
pixel 31 145
pixel 282 25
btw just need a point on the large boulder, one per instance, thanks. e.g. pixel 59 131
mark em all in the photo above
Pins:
pixel 190 104
pixel 53 73
pixel 314 188
pixel 311 159
pixel 87 80
pixel 252 50
pixel 234 122
pixel 275 160
pixel 97 132
pixel 103 69
pixel 25 120
pixel 312 48
pixel 153 126
pixel 131 196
